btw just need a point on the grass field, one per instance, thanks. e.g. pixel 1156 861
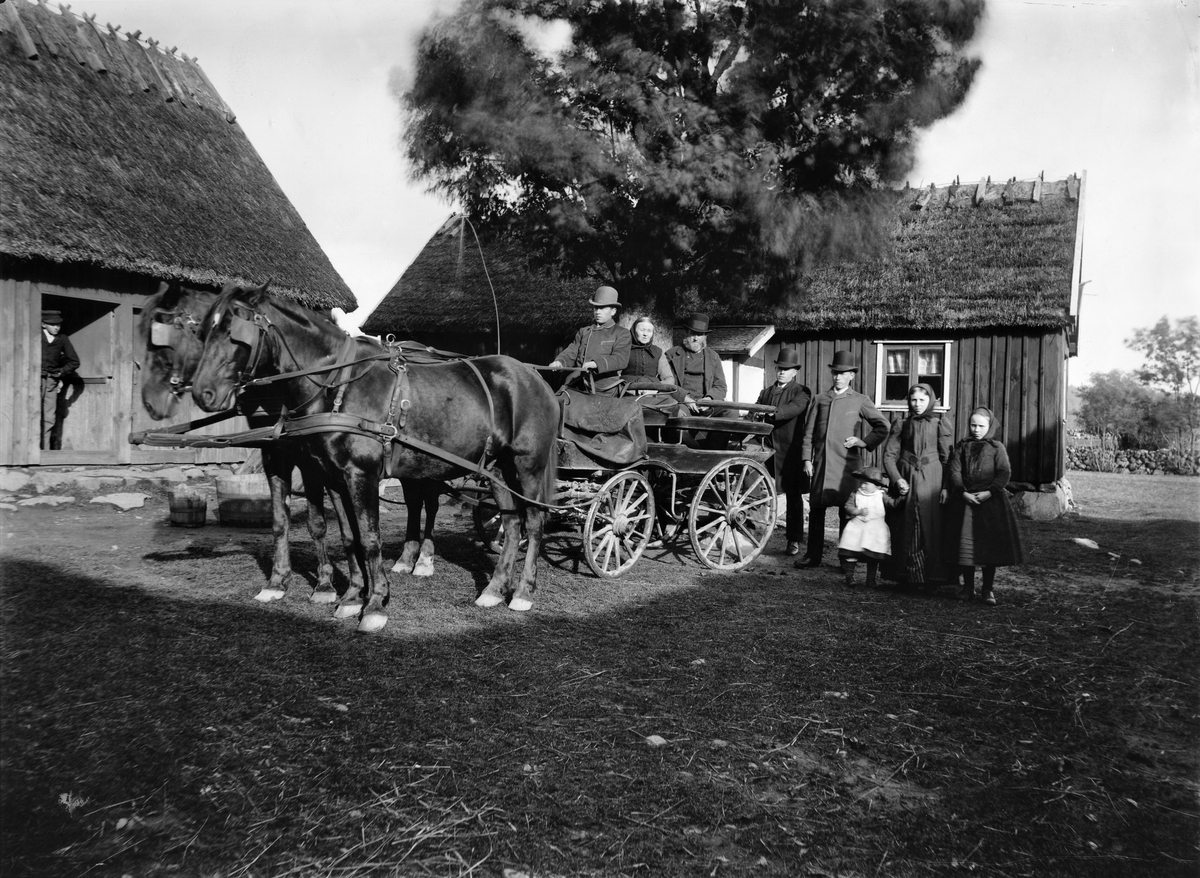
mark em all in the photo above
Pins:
pixel 677 722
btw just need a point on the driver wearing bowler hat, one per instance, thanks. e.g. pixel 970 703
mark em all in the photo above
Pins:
pixel 602 349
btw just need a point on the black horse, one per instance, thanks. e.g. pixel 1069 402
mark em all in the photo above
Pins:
pixel 169 335
pixel 488 411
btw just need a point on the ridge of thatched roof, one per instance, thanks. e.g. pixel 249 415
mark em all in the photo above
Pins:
pixel 448 288
pixel 118 155
pixel 962 257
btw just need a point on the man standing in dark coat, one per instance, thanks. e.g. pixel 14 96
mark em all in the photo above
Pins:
pixel 790 399
pixel 831 448
pixel 59 361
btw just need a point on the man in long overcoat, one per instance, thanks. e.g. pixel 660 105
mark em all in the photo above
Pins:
pixel 832 448
pixel 791 399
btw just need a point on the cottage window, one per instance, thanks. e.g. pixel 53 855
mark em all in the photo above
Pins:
pixel 903 364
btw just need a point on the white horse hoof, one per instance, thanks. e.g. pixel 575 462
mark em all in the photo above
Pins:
pixel 487 599
pixel 423 567
pixel 401 567
pixel 371 623
pixel 520 605
pixel 347 611
pixel 321 596
pixel 270 594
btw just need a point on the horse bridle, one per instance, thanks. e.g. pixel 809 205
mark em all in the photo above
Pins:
pixel 164 333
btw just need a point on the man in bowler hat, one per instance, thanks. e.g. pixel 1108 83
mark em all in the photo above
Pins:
pixel 601 349
pixel 791 399
pixel 832 448
pixel 59 361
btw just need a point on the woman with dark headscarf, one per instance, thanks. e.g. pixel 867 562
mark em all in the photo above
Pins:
pixel 917 449
pixel 646 359
pixel 981 527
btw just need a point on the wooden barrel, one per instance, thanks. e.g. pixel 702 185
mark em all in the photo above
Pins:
pixel 244 501
pixel 188 509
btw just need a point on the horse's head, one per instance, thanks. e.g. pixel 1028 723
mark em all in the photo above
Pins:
pixel 234 333
pixel 169 334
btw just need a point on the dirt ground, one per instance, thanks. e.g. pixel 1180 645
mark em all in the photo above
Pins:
pixel 675 722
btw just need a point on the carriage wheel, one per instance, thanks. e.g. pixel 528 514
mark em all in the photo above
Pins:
pixel 619 523
pixel 732 514
pixel 489 527
pixel 486 518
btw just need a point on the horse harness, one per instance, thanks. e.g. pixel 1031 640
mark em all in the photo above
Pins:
pixel 251 332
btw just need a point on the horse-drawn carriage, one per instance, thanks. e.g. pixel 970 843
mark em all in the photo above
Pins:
pixel 353 410
pixel 717 492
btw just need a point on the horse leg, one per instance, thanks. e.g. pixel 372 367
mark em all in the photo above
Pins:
pixel 362 482
pixel 351 602
pixel 278 465
pixel 510 524
pixel 533 486
pixel 314 493
pixel 412 527
pixel 431 501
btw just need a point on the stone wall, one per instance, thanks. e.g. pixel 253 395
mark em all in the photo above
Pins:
pixel 1159 462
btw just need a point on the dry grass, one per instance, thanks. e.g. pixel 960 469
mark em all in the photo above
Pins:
pixel 808 729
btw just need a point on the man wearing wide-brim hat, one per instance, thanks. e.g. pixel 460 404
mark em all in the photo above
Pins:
pixel 696 367
pixel 791 399
pixel 600 350
pixel 59 361
pixel 840 425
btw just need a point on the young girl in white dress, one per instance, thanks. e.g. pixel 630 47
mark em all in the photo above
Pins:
pixel 866 536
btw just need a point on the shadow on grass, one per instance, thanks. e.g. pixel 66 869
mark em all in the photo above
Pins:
pixel 154 727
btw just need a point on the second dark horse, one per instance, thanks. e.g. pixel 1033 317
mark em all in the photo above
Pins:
pixel 491 411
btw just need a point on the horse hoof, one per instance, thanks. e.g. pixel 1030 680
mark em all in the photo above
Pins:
pixel 323 596
pixel 488 600
pixel 371 623
pixel 401 567
pixel 270 594
pixel 423 567
pixel 347 611
pixel 520 605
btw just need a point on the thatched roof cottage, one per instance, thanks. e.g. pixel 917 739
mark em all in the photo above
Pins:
pixel 978 295
pixel 121 167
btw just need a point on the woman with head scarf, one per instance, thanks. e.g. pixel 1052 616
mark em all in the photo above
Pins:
pixel 917 450
pixel 981 527
pixel 647 363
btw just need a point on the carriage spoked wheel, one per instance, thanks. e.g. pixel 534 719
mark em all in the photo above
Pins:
pixel 732 514
pixel 486 519
pixel 618 526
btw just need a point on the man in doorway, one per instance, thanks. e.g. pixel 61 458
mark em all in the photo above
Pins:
pixel 832 449
pixel 59 361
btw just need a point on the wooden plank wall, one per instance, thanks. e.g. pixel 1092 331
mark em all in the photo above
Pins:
pixel 1019 376
pixel 20 412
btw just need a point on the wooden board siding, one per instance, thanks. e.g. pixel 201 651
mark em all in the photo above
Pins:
pixel 98 424
pixel 1019 376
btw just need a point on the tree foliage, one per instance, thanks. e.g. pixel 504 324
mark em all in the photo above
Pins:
pixel 1173 365
pixel 714 144
pixel 1115 403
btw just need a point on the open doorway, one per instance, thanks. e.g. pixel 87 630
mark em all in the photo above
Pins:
pixel 85 421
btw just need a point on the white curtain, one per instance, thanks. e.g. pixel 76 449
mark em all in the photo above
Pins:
pixel 929 361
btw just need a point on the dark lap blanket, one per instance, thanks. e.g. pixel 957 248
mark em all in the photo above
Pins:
pixel 607 429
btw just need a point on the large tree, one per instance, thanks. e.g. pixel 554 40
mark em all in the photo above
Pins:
pixel 719 145
pixel 1173 364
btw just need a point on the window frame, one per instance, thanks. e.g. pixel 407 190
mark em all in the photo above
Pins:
pixel 881 348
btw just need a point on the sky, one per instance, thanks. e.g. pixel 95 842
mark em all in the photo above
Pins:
pixel 1109 88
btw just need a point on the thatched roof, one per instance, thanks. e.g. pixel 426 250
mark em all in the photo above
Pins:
pixel 117 155
pixel 962 257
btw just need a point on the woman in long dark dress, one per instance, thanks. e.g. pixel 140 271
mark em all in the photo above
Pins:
pixel 917 449
pixel 981 527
